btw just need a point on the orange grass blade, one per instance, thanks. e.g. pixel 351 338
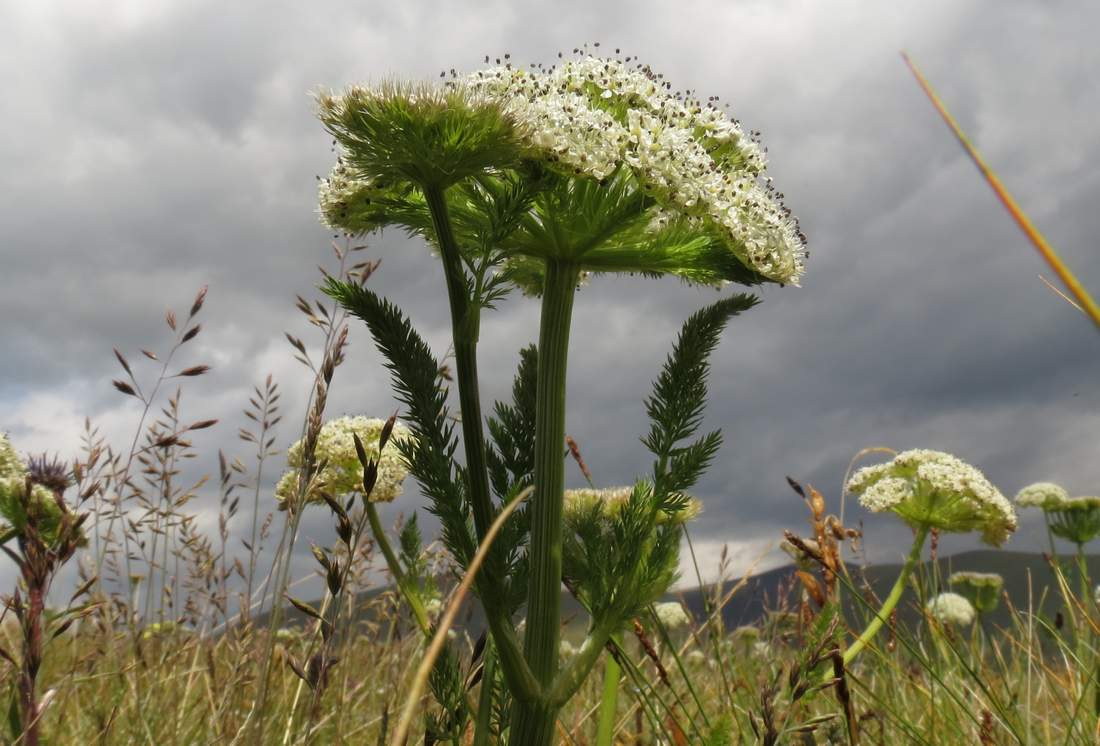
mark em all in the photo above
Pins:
pixel 1045 249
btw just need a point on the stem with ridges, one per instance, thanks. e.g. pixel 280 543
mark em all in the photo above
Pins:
pixel 465 320
pixel 533 722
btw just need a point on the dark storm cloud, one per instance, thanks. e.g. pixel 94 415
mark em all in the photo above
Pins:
pixel 153 149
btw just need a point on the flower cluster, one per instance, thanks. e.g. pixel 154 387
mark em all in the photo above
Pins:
pixel 342 473
pixel 936 490
pixel 951 608
pixel 596 117
pixel 16 507
pixel 10 463
pixel 1043 495
pixel 1076 519
pixel 671 615
pixel 982 589
pixel 609 502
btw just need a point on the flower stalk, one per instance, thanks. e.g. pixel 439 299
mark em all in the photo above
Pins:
pixel 465 326
pixel 608 701
pixel 892 599
pixel 420 614
pixel 533 722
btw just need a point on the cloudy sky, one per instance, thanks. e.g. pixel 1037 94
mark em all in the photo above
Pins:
pixel 150 148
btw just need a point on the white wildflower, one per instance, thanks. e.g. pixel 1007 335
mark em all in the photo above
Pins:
pixel 1044 495
pixel 936 490
pixel 671 615
pixel 15 503
pixel 11 466
pixel 434 608
pixel 342 473
pixel 596 117
pixel 695 657
pixel 951 608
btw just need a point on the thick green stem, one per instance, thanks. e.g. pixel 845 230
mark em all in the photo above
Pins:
pixel 465 322
pixel 609 702
pixel 533 722
pixel 891 600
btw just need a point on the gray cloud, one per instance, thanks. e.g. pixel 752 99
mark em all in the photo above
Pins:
pixel 155 148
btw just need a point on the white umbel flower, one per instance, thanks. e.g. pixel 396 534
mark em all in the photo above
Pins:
pixel 342 473
pixel 936 490
pixel 671 615
pixel 596 117
pixel 951 608
pixel 1044 495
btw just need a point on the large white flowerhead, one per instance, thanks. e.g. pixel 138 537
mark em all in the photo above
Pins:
pixel 672 615
pixel 951 608
pixel 609 502
pixel 936 490
pixel 598 117
pixel 981 589
pixel 1043 495
pixel 631 177
pixel 342 473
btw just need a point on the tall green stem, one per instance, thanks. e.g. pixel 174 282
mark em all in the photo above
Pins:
pixel 609 702
pixel 891 600
pixel 533 722
pixel 465 322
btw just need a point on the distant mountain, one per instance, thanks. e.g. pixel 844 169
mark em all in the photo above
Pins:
pixel 1028 582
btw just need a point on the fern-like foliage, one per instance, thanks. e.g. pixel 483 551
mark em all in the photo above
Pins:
pixel 617 562
pixel 675 407
pixel 618 565
pixel 511 465
pixel 430 453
